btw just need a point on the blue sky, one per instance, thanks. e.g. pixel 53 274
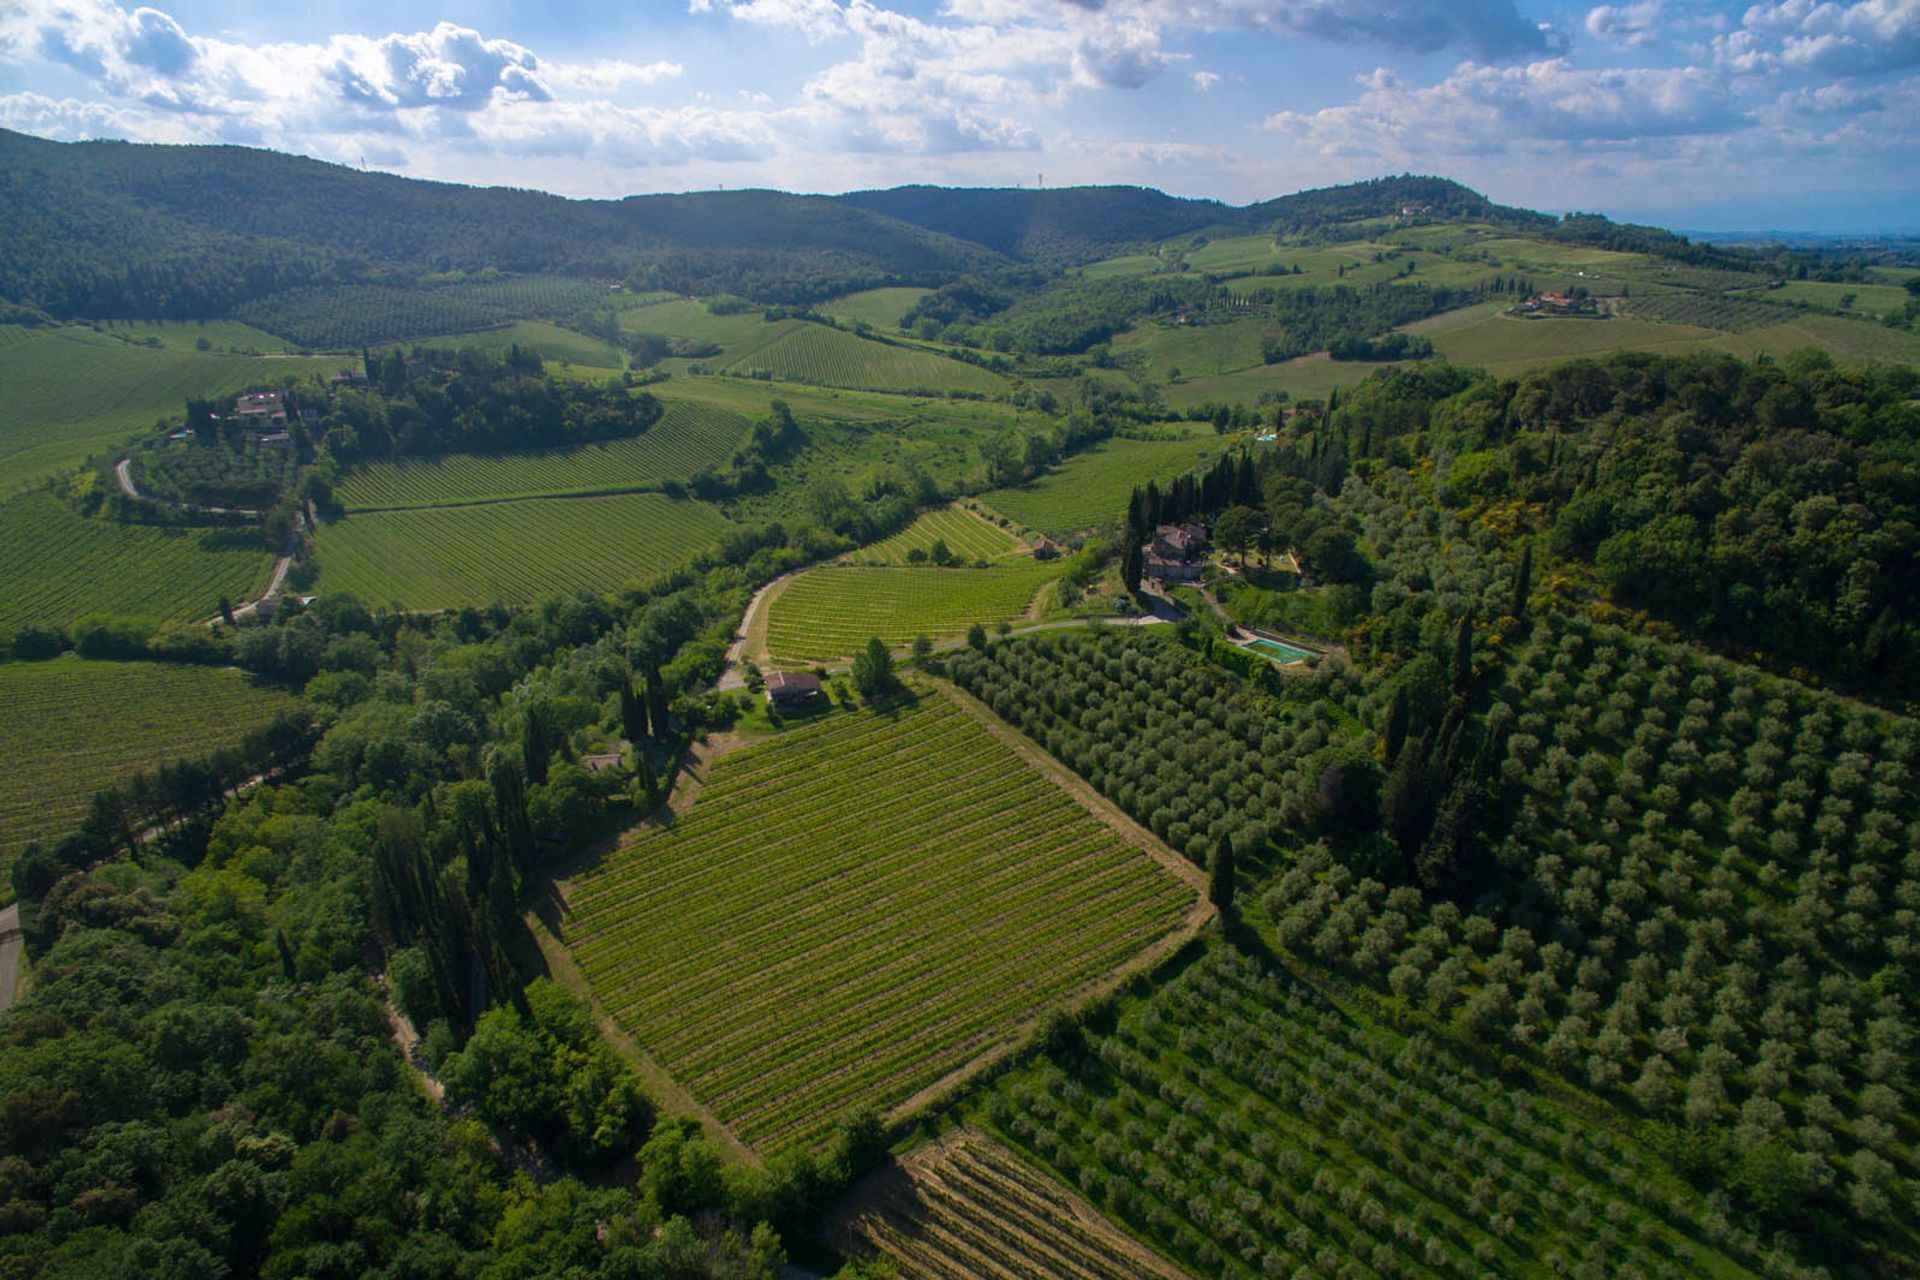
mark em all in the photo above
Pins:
pixel 1793 114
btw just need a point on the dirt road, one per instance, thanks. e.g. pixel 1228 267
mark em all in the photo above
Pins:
pixel 9 953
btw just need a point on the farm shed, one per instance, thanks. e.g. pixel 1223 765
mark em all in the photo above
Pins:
pixel 792 688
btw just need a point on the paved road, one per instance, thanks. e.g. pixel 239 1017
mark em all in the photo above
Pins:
pixel 9 953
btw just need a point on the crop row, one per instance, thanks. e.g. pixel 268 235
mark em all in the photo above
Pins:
pixel 793 945
pixel 341 317
pixel 687 439
pixel 1090 489
pixel 831 612
pixel 966 535
pixel 511 552
pixel 829 357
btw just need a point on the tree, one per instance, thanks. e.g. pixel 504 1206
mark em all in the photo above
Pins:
pixel 1236 528
pixel 977 637
pixel 873 669
pixel 1133 563
pixel 633 712
pixel 226 610
pixel 1523 581
pixel 1463 655
pixel 1220 878
pixel 922 646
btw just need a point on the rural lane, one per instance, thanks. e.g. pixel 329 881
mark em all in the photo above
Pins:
pixel 9 953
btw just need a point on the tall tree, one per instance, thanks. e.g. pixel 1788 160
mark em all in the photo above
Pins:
pixel 1463 655
pixel 1220 878
pixel 873 669
pixel 1523 581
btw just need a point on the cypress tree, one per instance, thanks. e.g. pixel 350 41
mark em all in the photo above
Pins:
pixel 633 712
pixel 1523 581
pixel 657 702
pixel 1132 565
pixel 1463 655
pixel 286 955
pixel 1398 714
pixel 1220 877
pixel 536 744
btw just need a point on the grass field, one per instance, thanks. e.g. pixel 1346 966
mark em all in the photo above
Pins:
pixel 185 335
pixel 881 308
pixel 69 392
pixel 967 535
pixel 71 726
pixel 56 566
pixel 830 612
pixel 1090 488
pixel 684 318
pixel 1199 350
pixel 686 439
pixel 510 552
pixel 851 911
pixel 556 345
pixel 1869 299
pixel 967 1206
pixel 835 358
pixel 1302 378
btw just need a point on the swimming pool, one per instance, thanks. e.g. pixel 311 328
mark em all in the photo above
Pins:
pixel 1283 654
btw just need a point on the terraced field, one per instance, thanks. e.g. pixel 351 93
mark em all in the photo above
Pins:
pixel 855 909
pixel 71 391
pixel 71 726
pixel 687 438
pixel 967 1206
pixel 967 535
pixel 834 358
pixel 510 552
pixel 830 612
pixel 56 565
pixel 1090 489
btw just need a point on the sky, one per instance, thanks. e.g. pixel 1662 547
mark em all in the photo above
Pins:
pixel 1781 115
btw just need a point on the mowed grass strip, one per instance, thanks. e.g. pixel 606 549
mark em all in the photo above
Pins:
pixel 967 535
pixel 851 911
pixel 1090 489
pixel 510 552
pixel 57 565
pixel 967 1206
pixel 70 727
pixel 687 439
pixel 834 358
pixel 831 612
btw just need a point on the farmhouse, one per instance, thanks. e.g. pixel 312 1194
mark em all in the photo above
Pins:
pixel 1176 554
pixel 601 762
pixel 791 688
pixel 1046 549
pixel 254 405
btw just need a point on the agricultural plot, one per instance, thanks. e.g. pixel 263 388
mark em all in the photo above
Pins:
pixel 850 912
pixel 1309 377
pixel 832 357
pixel 510 552
pixel 340 317
pixel 57 565
pixel 1090 489
pixel 1868 299
pixel 71 391
pixel 1248 1127
pixel 555 345
pixel 881 308
pixel 734 334
pixel 1732 313
pixel 71 727
pixel 965 534
pixel 830 612
pixel 967 1206
pixel 1197 350
pixel 687 439
pixel 186 335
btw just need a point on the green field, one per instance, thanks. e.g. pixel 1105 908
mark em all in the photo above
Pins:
pixel 1197 350
pixel 1868 299
pixel 1302 378
pixel 687 439
pixel 684 318
pixel 835 358
pixel 70 727
pixel 69 392
pixel 967 535
pixel 881 308
pixel 185 335
pixel 556 345
pixel 510 552
pixel 57 565
pixel 830 612
pixel 1090 489
pixel 853 910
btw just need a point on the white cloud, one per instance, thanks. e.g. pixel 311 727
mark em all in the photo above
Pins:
pixel 1632 25
pixel 1821 36
pixel 1205 80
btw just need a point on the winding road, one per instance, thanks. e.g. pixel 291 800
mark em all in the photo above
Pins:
pixel 123 472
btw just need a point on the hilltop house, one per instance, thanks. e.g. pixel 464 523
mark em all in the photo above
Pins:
pixel 789 689
pixel 1177 553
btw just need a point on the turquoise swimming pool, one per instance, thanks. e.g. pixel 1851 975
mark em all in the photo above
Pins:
pixel 1282 654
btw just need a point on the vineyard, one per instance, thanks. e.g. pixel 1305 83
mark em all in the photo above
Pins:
pixel 1248 1127
pixel 57 565
pixel 342 317
pixel 967 1206
pixel 830 612
pixel 964 534
pixel 554 344
pixel 1089 490
pixel 1726 312
pixel 74 726
pixel 853 910
pixel 881 308
pixel 829 357
pixel 687 439
pixel 71 391
pixel 510 552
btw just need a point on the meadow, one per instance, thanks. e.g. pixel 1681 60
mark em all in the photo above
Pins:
pixel 74 726
pixel 555 345
pixel 830 612
pixel 1201 350
pixel 965 1205
pixel 849 912
pixel 1310 377
pixel 1869 299
pixel 510 552
pixel 57 566
pixel 967 536
pixel 343 317
pixel 1089 490
pixel 687 439
pixel 1247 1126
pixel 71 391
pixel 881 308
pixel 831 357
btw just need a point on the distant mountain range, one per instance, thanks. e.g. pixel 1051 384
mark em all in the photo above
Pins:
pixel 115 229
